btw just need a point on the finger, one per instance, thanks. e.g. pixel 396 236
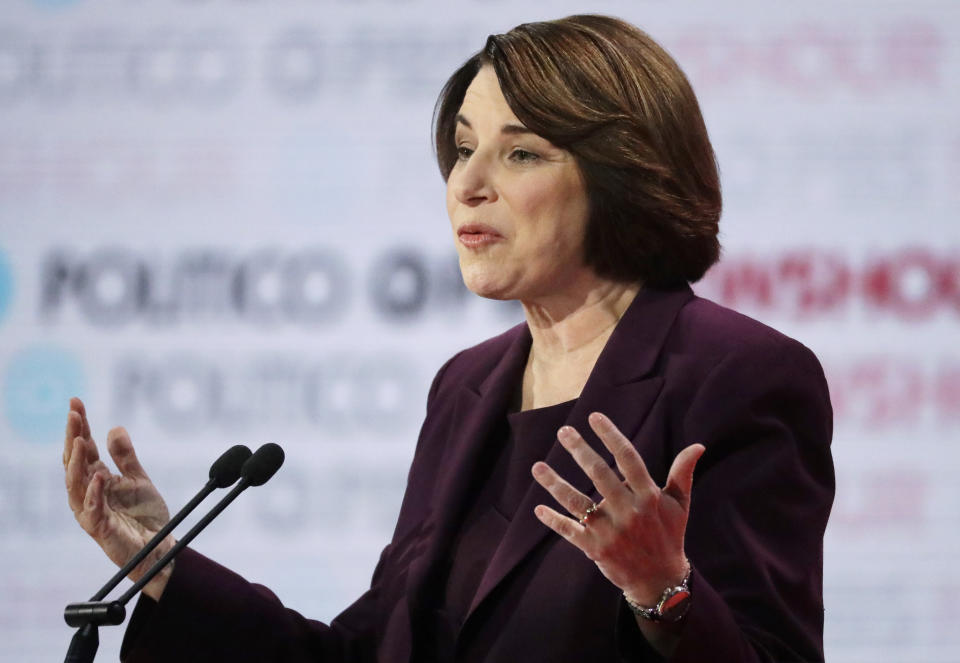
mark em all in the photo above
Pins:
pixel 84 462
pixel 603 477
pixel 680 480
pixel 569 529
pixel 77 474
pixel 93 496
pixel 627 458
pixel 74 426
pixel 82 411
pixel 94 514
pixel 571 499
pixel 125 458
pixel 73 475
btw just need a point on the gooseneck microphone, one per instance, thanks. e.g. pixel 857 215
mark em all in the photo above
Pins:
pixel 224 472
pixel 253 470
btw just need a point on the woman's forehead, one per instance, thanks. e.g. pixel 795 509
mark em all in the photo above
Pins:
pixel 484 103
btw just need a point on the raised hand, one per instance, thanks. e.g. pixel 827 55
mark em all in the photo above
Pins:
pixel 121 512
pixel 635 534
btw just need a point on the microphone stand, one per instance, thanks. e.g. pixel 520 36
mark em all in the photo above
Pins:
pixel 86 641
pixel 87 616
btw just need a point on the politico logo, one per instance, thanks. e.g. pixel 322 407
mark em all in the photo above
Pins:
pixel 347 394
pixel 205 68
pixel 311 286
pixel 161 68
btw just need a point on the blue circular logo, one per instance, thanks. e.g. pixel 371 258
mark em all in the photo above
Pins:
pixel 6 285
pixel 37 387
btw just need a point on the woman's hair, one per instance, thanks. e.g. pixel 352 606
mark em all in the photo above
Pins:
pixel 606 92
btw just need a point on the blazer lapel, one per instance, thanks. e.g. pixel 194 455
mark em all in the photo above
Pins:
pixel 479 408
pixel 622 387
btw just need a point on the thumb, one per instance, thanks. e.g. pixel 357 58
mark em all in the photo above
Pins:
pixel 125 458
pixel 680 480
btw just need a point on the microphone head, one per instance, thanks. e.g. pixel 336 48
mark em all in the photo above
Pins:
pixel 226 469
pixel 263 464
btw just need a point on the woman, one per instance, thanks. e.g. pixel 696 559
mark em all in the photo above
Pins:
pixel 580 181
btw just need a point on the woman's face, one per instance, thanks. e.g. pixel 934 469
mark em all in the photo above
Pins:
pixel 517 203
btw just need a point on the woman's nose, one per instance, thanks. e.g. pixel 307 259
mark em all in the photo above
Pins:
pixel 472 182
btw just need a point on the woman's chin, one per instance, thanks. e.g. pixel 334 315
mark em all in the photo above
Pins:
pixel 489 288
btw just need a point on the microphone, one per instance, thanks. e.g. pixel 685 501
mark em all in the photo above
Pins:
pixel 261 466
pixel 253 469
pixel 224 472
pixel 226 469
pixel 256 471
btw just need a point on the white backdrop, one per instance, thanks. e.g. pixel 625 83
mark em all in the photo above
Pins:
pixel 221 222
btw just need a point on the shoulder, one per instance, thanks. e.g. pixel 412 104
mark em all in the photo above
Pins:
pixel 746 371
pixel 716 333
pixel 721 368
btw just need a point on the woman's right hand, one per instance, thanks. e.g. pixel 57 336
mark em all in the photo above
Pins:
pixel 120 511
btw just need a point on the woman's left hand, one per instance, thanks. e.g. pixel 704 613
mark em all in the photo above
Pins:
pixel 635 536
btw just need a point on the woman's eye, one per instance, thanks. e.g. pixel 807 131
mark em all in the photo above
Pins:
pixel 523 156
pixel 463 152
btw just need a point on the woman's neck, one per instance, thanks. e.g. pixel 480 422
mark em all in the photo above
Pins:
pixel 569 332
pixel 574 322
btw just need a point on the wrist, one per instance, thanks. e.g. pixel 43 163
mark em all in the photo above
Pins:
pixel 154 589
pixel 669 605
pixel 156 586
pixel 650 591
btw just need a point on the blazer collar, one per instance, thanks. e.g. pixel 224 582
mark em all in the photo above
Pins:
pixel 640 334
pixel 619 385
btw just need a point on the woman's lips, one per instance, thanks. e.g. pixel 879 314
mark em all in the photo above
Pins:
pixel 475 236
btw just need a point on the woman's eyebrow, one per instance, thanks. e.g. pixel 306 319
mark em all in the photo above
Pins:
pixel 512 129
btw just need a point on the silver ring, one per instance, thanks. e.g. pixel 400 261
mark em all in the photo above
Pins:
pixel 592 509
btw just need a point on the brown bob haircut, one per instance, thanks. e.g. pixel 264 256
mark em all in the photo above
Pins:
pixel 606 92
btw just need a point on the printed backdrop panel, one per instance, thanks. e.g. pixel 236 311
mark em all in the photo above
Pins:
pixel 221 222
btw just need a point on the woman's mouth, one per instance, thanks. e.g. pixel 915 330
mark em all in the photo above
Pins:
pixel 476 235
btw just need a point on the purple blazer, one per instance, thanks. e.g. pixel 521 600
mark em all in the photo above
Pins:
pixel 677 369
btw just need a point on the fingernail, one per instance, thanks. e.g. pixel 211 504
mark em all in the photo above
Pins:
pixel 596 417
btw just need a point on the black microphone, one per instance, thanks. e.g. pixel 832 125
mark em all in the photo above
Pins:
pixel 226 469
pixel 262 465
pixel 224 472
pixel 256 471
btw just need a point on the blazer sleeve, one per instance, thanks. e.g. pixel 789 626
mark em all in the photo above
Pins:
pixel 761 497
pixel 209 613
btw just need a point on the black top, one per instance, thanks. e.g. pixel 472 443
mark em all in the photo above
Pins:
pixel 522 439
